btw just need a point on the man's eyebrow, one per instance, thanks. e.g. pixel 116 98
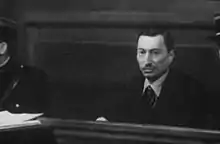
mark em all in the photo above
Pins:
pixel 140 48
pixel 155 49
pixel 152 49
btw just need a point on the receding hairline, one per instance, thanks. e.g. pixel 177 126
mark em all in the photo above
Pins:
pixel 160 36
pixel 157 38
pixel 168 39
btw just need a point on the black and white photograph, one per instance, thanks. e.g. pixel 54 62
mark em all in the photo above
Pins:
pixel 110 71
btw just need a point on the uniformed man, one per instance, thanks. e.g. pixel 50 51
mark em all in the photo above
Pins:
pixel 22 88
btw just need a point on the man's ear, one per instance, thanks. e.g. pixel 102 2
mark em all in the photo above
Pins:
pixel 3 48
pixel 171 55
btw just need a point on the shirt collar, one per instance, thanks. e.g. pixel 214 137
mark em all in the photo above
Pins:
pixel 156 85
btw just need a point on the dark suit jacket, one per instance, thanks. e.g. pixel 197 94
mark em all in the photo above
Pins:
pixel 181 103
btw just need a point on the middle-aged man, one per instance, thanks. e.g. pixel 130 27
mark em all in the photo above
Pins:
pixel 159 94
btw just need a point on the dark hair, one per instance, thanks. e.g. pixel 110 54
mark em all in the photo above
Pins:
pixel 8 34
pixel 168 39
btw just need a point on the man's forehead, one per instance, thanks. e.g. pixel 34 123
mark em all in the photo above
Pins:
pixel 149 42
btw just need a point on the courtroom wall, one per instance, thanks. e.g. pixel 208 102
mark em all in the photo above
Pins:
pixel 90 61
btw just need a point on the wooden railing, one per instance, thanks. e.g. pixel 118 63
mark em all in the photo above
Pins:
pixel 77 131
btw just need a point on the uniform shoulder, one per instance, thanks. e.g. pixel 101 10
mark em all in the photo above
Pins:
pixel 32 71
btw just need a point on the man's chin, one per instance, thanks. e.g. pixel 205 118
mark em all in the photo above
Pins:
pixel 148 74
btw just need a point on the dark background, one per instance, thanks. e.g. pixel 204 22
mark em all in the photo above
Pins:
pixel 87 47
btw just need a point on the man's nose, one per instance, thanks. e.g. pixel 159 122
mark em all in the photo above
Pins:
pixel 148 58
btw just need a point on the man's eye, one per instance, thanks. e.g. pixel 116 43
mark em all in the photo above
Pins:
pixel 141 52
pixel 155 52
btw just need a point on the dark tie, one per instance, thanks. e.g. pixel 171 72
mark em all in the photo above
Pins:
pixel 149 97
pixel 144 112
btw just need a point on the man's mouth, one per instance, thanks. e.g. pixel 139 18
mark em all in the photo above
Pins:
pixel 147 70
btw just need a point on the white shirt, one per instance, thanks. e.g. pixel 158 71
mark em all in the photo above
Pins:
pixel 156 85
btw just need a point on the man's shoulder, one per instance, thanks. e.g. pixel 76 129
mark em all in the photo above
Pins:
pixel 32 72
pixel 31 69
pixel 22 69
pixel 179 78
pixel 180 75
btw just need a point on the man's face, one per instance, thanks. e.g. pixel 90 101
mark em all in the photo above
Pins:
pixel 152 55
